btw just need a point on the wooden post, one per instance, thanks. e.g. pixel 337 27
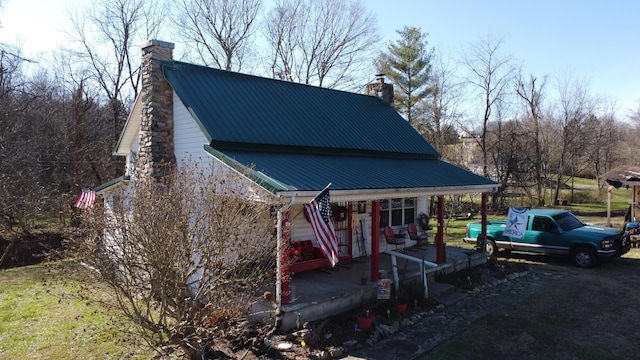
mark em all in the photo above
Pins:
pixel 375 239
pixel 609 206
pixel 440 234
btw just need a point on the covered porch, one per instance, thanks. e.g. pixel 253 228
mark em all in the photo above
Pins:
pixel 304 290
pixel 318 294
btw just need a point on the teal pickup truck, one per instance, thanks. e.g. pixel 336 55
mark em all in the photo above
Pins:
pixel 555 232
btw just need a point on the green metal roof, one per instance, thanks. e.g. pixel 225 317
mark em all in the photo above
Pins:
pixel 309 172
pixel 295 137
pixel 113 182
pixel 239 111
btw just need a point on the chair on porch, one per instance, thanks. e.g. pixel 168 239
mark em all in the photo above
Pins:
pixel 392 238
pixel 412 230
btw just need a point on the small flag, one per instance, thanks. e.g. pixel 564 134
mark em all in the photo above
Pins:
pixel 86 199
pixel 319 214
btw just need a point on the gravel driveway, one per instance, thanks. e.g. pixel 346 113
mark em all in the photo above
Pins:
pixel 583 314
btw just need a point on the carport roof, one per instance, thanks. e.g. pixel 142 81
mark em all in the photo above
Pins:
pixel 623 175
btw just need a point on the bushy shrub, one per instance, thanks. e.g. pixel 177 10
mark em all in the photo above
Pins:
pixel 183 257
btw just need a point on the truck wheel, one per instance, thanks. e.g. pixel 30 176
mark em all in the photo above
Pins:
pixel 490 247
pixel 584 257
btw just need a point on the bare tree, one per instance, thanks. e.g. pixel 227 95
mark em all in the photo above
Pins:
pixel 507 155
pixel 320 42
pixel 574 106
pixel 219 31
pixel 599 143
pixel 120 25
pixel 184 258
pixel 443 110
pixel 490 73
pixel 635 115
pixel 532 94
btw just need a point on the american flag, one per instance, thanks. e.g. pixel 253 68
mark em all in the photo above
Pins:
pixel 86 199
pixel 319 213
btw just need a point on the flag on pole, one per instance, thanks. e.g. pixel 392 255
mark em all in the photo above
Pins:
pixel 319 213
pixel 86 199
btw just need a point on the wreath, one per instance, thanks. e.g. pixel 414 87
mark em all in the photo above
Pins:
pixel 339 213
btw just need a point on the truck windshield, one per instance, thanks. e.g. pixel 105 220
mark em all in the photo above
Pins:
pixel 568 221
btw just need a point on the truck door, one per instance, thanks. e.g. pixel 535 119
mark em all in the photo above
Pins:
pixel 545 237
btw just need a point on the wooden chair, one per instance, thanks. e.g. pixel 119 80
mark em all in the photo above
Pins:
pixel 392 238
pixel 412 230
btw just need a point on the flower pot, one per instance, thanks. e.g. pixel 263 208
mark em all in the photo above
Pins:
pixel 364 323
pixel 401 308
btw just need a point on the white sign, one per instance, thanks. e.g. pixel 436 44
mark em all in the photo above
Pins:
pixel 516 222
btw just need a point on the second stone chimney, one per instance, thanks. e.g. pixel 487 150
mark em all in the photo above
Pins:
pixel 156 154
pixel 381 89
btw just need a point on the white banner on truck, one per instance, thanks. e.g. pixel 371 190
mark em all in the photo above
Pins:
pixel 516 222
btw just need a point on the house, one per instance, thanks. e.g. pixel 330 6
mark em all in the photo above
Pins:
pixel 292 140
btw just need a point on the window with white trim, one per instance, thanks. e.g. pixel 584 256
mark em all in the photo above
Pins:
pixel 397 212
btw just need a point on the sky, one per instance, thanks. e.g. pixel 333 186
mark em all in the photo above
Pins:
pixel 596 40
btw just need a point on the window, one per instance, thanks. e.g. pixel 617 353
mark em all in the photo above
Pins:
pixel 396 212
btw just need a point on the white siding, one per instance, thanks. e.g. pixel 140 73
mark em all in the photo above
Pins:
pixel 132 157
pixel 300 227
pixel 189 139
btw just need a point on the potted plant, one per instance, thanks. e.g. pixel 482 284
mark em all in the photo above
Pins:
pixel 364 320
pixel 400 303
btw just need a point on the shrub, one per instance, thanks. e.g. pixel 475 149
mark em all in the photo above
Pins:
pixel 183 257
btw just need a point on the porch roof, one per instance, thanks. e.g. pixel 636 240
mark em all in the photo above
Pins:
pixel 353 177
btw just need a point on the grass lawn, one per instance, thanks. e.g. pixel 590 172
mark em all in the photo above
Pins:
pixel 44 315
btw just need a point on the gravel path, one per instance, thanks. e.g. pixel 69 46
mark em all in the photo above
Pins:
pixel 429 332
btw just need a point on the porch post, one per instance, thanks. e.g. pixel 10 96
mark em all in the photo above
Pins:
pixel 375 239
pixel 282 271
pixel 609 205
pixel 440 234
pixel 485 198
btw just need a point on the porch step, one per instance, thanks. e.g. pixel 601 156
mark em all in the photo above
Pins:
pixel 445 294
pixel 438 290
pixel 451 299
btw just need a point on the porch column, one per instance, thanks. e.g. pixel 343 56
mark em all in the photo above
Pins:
pixel 609 205
pixel 282 257
pixel 636 189
pixel 375 239
pixel 440 234
pixel 485 198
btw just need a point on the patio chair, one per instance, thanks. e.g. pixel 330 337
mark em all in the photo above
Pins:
pixel 412 230
pixel 392 238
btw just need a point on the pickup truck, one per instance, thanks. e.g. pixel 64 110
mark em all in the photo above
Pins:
pixel 554 232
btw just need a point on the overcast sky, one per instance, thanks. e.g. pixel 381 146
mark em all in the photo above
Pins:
pixel 597 40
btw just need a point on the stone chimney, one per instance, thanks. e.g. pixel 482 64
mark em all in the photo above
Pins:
pixel 381 89
pixel 156 154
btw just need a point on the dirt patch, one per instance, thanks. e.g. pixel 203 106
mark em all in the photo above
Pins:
pixel 586 314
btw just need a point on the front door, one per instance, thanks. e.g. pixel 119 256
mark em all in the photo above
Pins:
pixel 342 222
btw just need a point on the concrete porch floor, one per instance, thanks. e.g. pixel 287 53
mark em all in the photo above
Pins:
pixel 319 294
